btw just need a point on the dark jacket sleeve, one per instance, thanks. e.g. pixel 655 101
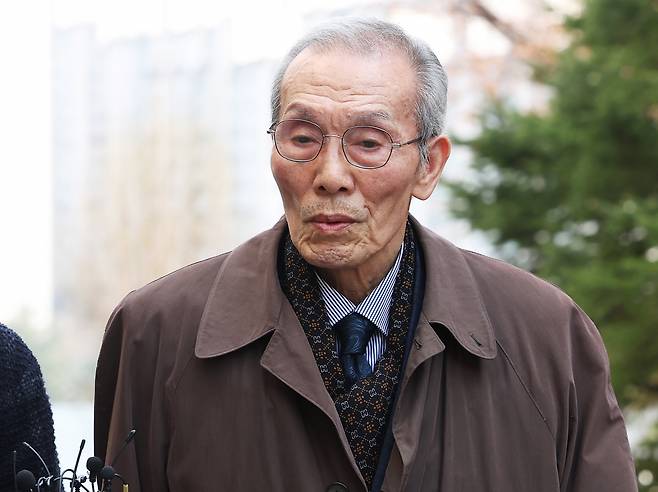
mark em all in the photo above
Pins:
pixel 129 395
pixel 597 457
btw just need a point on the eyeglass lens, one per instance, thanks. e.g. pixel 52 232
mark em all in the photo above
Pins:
pixel 301 141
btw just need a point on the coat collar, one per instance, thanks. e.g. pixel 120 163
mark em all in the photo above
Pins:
pixel 246 300
pixel 452 296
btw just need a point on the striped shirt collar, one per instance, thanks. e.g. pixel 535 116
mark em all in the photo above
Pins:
pixel 375 306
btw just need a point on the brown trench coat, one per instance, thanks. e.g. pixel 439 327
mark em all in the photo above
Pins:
pixel 506 389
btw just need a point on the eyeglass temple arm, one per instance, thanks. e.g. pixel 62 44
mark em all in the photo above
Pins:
pixel 398 145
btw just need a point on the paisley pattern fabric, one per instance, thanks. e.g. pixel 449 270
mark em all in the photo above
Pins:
pixel 365 407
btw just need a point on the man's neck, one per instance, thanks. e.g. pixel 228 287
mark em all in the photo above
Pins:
pixel 356 283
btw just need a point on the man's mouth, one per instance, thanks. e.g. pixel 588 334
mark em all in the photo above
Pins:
pixel 331 222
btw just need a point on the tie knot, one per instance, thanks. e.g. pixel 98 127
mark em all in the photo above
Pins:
pixel 354 331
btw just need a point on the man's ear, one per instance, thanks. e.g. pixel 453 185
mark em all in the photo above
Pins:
pixel 428 175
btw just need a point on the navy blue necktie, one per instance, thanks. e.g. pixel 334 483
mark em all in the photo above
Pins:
pixel 354 332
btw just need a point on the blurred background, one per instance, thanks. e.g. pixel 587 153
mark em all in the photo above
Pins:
pixel 132 142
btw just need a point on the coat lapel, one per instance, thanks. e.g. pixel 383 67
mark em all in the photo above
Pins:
pixel 288 356
pixel 452 297
pixel 247 303
pixel 451 301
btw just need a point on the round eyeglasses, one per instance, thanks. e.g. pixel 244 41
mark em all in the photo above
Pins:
pixel 366 147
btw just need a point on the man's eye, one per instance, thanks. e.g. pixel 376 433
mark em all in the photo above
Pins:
pixel 302 139
pixel 369 144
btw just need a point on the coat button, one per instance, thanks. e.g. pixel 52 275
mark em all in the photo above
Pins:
pixel 337 487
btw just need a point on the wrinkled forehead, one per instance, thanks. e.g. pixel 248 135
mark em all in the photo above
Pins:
pixel 343 74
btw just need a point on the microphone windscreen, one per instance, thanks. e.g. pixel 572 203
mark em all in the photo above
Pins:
pixel 94 464
pixel 106 473
pixel 25 480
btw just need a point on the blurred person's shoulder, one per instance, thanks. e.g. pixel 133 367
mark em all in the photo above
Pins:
pixel 15 355
pixel 25 410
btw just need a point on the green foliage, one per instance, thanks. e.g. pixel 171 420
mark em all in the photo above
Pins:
pixel 571 193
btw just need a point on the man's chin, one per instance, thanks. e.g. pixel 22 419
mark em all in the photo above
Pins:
pixel 327 256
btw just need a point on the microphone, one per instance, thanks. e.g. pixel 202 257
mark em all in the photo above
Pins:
pixel 129 438
pixel 77 460
pixel 106 475
pixel 25 480
pixel 94 465
pixel 99 472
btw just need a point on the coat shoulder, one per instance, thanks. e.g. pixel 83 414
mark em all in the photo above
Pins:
pixel 187 285
pixel 535 323
pixel 168 306
pixel 518 288
pixel 540 330
pixel 557 353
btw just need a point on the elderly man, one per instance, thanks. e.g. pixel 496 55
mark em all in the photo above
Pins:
pixel 350 348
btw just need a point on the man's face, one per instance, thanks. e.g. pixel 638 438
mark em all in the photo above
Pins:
pixel 341 216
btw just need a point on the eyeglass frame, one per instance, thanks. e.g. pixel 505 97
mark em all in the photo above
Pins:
pixel 394 145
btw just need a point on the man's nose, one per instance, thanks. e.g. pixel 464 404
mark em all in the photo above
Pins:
pixel 333 172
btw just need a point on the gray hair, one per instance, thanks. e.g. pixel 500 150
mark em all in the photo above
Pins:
pixel 364 36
